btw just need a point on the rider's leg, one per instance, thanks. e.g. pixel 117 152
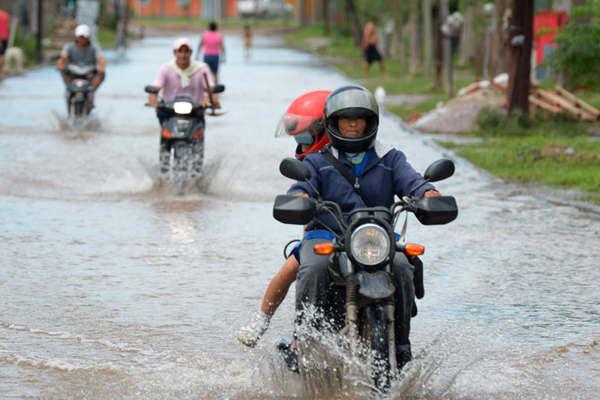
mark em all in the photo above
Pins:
pixel 404 295
pixel 279 286
pixel 314 287
pixel 277 289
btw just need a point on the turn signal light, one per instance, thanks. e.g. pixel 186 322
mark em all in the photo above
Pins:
pixel 166 133
pixel 413 249
pixel 198 134
pixel 324 248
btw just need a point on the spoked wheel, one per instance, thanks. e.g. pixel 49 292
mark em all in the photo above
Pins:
pixel 181 162
pixel 374 332
pixel 197 158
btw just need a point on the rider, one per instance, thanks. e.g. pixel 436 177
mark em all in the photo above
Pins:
pixel 380 172
pixel 82 52
pixel 182 77
pixel 304 121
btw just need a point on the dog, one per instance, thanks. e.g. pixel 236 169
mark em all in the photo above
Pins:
pixel 14 55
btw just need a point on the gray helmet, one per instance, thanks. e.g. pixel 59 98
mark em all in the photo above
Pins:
pixel 351 102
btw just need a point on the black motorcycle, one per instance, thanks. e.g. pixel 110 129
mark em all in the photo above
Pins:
pixel 79 91
pixel 361 257
pixel 181 151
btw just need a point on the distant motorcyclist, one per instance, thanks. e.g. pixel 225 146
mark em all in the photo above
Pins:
pixel 380 172
pixel 304 121
pixel 182 77
pixel 83 53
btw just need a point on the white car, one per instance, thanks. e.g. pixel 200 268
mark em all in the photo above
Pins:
pixel 263 8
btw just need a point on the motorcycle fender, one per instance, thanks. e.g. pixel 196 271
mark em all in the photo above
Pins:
pixel 180 148
pixel 377 285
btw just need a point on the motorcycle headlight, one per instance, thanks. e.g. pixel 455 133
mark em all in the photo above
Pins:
pixel 182 107
pixel 370 244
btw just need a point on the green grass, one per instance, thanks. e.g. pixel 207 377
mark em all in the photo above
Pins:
pixel 107 37
pixel 28 45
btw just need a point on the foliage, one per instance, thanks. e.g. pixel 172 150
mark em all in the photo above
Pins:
pixel 492 122
pixel 579 52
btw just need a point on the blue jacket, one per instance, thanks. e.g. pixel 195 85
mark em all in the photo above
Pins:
pixel 386 174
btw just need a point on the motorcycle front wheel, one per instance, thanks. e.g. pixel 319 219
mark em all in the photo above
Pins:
pixel 374 331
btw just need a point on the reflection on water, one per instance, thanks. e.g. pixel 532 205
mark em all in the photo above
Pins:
pixel 113 287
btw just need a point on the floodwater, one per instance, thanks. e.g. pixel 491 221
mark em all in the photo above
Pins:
pixel 113 287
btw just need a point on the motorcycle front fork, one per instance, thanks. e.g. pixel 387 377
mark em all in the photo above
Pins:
pixel 352 320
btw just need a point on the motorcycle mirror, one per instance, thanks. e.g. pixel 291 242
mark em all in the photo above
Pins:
pixel 294 169
pixel 293 209
pixel 218 88
pixel 151 89
pixel 439 170
pixel 437 210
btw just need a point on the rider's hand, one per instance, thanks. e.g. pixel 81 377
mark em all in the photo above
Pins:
pixel 152 100
pixel 250 333
pixel 432 193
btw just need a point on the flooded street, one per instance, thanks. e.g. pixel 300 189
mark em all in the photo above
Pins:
pixel 112 287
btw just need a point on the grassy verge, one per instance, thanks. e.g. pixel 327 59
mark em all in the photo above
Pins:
pixel 556 151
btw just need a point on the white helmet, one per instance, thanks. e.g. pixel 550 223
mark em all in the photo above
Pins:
pixel 83 30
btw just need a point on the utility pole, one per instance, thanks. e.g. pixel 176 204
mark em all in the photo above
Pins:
pixel 326 27
pixel 520 34
pixel 40 31
pixel 446 48
pixel 427 36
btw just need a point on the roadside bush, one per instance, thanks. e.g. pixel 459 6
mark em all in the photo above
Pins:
pixel 578 53
pixel 492 122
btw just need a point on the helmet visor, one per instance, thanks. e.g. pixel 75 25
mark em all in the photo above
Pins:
pixel 298 126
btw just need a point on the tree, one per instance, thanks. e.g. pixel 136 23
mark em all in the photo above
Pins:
pixel 520 31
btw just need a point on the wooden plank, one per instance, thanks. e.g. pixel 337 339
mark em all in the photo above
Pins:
pixel 544 105
pixel 565 104
pixel 578 102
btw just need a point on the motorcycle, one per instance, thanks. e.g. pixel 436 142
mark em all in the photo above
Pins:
pixel 79 92
pixel 361 256
pixel 181 150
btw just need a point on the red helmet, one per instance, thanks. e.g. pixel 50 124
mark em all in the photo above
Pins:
pixel 304 121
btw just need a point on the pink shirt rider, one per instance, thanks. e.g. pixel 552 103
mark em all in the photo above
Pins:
pixel 212 40
pixel 4 25
pixel 170 82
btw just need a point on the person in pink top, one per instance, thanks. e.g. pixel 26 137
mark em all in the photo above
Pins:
pixel 212 42
pixel 182 77
pixel 4 33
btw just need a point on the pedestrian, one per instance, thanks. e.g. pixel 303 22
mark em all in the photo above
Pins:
pixel 4 34
pixel 247 41
pixel 369 44
pixel 214 48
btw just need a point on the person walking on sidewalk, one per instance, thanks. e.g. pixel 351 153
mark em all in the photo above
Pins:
pixel 214 48
pixel 4 34
pixel 370 42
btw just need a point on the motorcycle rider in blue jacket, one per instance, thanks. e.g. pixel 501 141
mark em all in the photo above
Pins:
pixel 379 173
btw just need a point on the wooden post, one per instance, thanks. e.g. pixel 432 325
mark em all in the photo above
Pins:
pixel 520 34
pixel 40 31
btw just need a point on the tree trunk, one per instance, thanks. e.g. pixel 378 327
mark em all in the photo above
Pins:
pixel 354 21
pixel 415 38
pixel 427 36
pixel 521 28
pixel 326 27
pixel 498 56
pixel 468 46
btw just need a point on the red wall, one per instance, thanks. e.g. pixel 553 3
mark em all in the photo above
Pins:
pixel 547 23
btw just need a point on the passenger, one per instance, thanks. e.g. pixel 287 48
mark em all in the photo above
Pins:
pixel 4 36
pixel 304 121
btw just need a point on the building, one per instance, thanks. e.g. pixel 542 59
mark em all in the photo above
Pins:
pixel 185 8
